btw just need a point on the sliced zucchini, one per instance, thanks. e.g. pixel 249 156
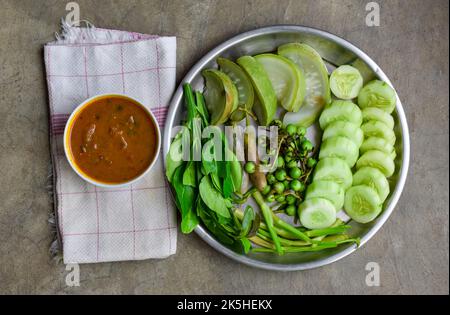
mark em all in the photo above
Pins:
pixel 378 129
pixel 377 94
pixel 362 203
pixel 376 143
pixel 335 170
pixel 317 84
pixel 327 190
pixel 373 178
pixel 246 94
pixel 287 80
pixel 373 113
pixel 340 111
pixel 317 213
pixel 221 96
pixel 346 82
pixel 344 129
pixel 379 160
pixel 267 99
pixel 340 147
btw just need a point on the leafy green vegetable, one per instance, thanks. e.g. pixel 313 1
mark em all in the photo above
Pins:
pixel 189 176
pixel 185 199
pixel 213 198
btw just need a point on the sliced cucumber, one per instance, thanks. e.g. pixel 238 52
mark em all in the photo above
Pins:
pixel 267 99
pixel 373 178
pixel 346 82
pixel 379 160
pixel 373 113
pixel 317 213
pixel 340 147
pixel 377 94
pixel 344 129
pixel 340 110
pixel 378 129
pixel 221 96
pixel 393 155
pixel 327 190
pixel 376 143
pixel 362 203
pixel 243 85
pixel 317 84
pixel 334 169
pixel 287 80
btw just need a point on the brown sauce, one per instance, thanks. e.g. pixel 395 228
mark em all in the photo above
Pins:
pixel 113 140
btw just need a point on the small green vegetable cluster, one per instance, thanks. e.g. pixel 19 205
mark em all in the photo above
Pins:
pixel 294 165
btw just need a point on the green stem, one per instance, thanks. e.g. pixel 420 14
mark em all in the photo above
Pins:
pixel 268 217
pixel 264 235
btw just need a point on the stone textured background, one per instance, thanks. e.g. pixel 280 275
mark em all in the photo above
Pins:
pixel 411 46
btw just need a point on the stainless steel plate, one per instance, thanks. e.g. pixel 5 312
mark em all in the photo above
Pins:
pixel 336 51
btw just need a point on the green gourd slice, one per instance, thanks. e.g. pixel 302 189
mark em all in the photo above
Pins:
pixel 287 80
pixel 317 83
pixel 221 96
pixel 246 94
pixel 265 106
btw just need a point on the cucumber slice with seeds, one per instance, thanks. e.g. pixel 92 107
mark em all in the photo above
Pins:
pixel 346 82
pixel 340 111
pixel 376 143
pixel 379 160
pixel 373 113
pixel 340 147
pixel 246 94
pixel 317 83
pixel 266 106
pixel 377 94
pixel 362 203
pixel 334 169
pixel 327 190
pixel 317 213
pixel 344 129
pixel 378 129
pixel 373 178
pixel 287 80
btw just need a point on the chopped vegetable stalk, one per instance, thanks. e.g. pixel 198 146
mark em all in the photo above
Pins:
pixel 269 218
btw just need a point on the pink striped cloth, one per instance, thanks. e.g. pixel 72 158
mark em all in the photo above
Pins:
pixel 98 224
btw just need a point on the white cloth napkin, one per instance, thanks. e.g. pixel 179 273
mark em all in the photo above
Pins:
pixel 98 224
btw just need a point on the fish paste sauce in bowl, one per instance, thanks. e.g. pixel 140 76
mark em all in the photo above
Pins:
pixel 111 140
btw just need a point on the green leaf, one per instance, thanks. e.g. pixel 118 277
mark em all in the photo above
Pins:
pixel 174 157
pixel 201 108
pixel 212 225
pixel 246 245
pixel 213 198
pixel 189 176
pixel 247 221
pixel 185 196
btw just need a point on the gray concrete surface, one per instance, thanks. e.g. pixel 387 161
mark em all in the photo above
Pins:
pixel 411 45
